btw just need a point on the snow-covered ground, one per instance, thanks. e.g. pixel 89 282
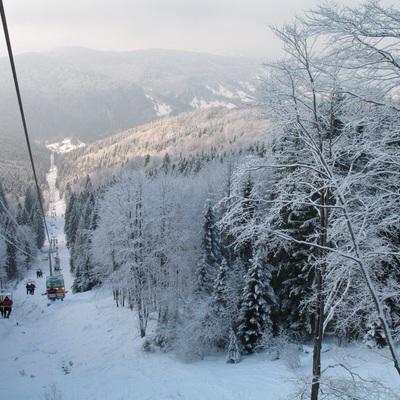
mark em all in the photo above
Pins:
pixel 85 348
pixel 64 146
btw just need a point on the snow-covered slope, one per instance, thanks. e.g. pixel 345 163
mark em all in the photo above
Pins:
pixel 85 348
pixel 64 146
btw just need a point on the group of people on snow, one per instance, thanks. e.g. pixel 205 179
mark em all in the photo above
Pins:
pixel 6 307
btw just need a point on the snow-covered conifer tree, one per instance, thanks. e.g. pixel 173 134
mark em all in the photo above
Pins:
pixel 258 300
pixel 37 225
pixel 220 293
pixel 294 278
pixel 22 215
pixel 72 215
pixel 233 354
pixel 248 204
pixel 209 262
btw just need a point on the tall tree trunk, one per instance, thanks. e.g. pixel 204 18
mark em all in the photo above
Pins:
pixel 319 314
pixel 318 336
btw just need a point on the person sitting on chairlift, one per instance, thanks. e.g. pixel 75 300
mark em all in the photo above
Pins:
pixel 7 306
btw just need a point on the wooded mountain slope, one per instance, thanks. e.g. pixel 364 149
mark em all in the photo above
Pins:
pixel 212 130
pixel 15 166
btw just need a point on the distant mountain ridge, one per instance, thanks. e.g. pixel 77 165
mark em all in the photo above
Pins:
pixel 88 94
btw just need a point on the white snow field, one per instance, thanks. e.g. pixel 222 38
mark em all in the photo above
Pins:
pixel 85 348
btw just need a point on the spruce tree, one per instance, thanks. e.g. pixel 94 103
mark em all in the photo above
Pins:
pixel 220 296
pixel 22 216
pixel 221 308
pixel 233 354
pixel 72 215
pixel 9 233
pixel 258 300
pixel 80 259
pixel 37 225
pixel 209 262
pixel 3 198
pixel 29 199
pixel 11 250
pixel 248 206
pixel 166 164
pixel 294 279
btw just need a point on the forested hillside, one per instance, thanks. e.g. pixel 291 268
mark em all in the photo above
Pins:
pixel 15 166
pixel 22 234
pixel 186 139
pixel 294 241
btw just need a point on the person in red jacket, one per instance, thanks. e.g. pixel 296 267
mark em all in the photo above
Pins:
pixel 7 305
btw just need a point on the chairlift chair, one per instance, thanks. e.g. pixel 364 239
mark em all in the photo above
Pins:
pixel 3 295
pixel 55 288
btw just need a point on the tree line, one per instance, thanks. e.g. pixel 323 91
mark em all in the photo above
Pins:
pixel 22 234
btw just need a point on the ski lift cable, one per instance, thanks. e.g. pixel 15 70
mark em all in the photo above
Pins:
pixel 21 109
pixel 18 226
pixel 12 243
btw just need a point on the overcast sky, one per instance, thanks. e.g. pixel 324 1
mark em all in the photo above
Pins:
pixel 226 27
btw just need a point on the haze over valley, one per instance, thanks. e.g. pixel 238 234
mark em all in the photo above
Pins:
pixel 88 94
pixel 85 95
